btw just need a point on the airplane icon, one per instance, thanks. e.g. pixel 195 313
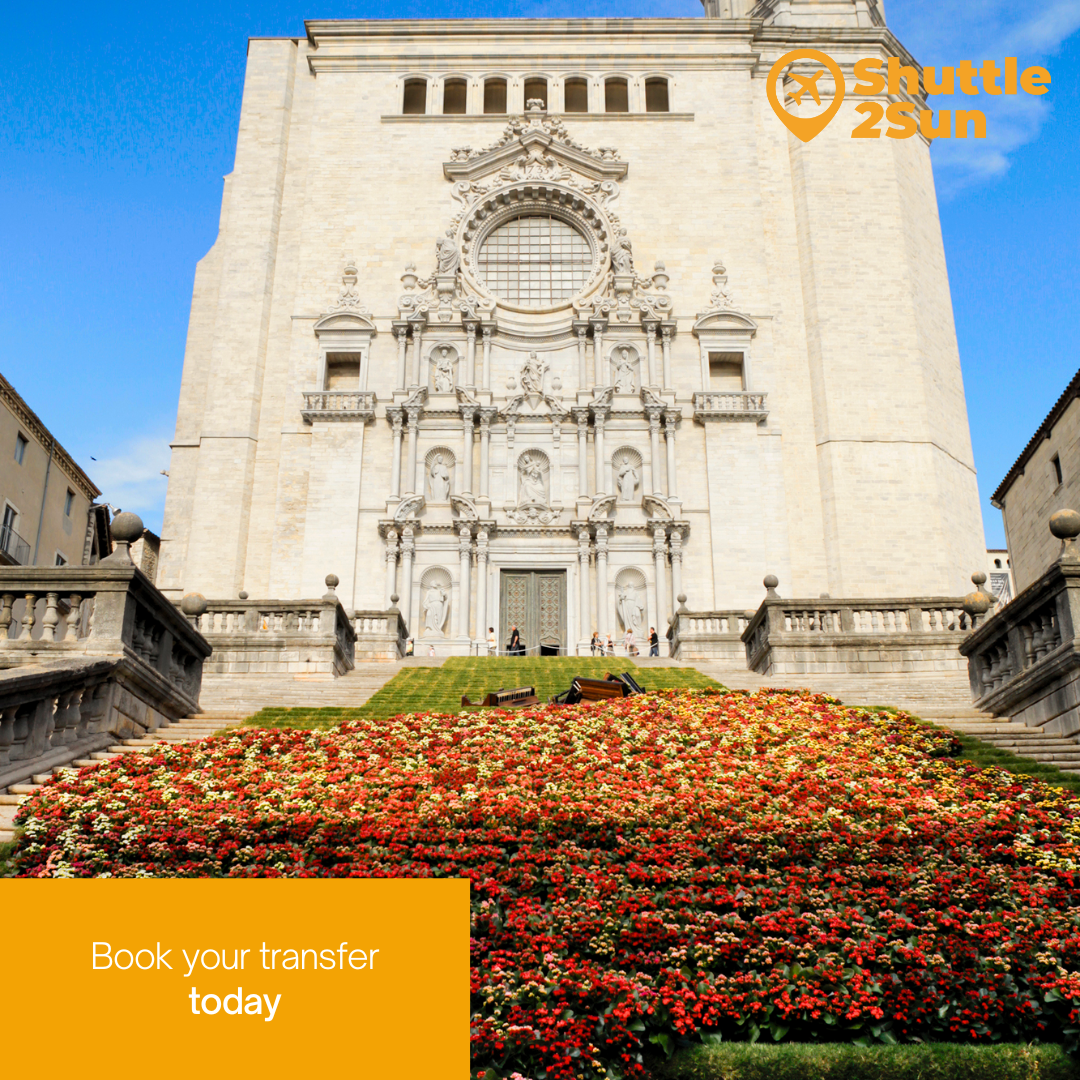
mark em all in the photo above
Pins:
pixel 807 84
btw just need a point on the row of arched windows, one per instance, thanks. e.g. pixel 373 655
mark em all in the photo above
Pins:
pixel 614 95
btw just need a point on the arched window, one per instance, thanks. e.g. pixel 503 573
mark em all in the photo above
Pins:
pixel 576 95
pixel 535 261
pixel 536 90
pixel 453 97
pixel 415 103
pixel 656 95
pixel 495 96
pixel 616 96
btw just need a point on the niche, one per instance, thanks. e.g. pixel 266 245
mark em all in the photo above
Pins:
pixel 726 371
pixel 342 371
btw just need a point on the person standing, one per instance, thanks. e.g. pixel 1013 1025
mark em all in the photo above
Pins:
pixel 515 648
pixel 610 646
pixel 628 641
pixel 492 642
pixel 596 646
pixel 654 642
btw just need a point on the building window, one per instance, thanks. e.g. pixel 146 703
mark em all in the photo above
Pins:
pixel 20 448
pixel 495 96
pixel 616 96
pixel 1056 462
pixel 453 97
pixel 656 95
pixel 60 560
pixel 576 95
pixel 535 261
pixel 69 502
pixel 415 103
pixel 726 371
pixel 536 90
pixel 342 371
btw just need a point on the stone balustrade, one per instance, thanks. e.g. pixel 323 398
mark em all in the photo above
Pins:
pixel 338 405
pixel 380 635
pixel 804 637
pixel 730 405
pixel 709 635
pixel 1024 661
pixel 88 655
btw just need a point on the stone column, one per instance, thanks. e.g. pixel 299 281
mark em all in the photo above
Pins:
pixel 487 356
pixel 407 549
pixel 467 412
pixel 601 580
pixel 481 590
pixel 486 416
pixel 470 354
pixel 669 439
pixel 418 344
pixel 401 331
pixel 391 564
pixel 413 413
pixel 665 342
pixel 600 463
pixel 461 630
pixel 660 559
pixel 650 326
pixel 585 632
pixel 598 328
pixel 396 419
pixel 582 329
pixel 654 448
pixel 676 565
pixel 582 418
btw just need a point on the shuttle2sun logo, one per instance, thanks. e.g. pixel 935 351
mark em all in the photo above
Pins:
pixel 904 116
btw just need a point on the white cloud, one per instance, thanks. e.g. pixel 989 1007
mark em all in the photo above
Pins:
pixel 130 478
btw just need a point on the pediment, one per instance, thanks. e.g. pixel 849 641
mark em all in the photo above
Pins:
pixel 725 320
pixel 349 321
pixel 537 147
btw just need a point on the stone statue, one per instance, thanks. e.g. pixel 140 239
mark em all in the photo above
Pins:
pixel 622 255
pixel 435 605
pixel 627 479
pixel 625 380
pixel 630 611
pixel 439 480
pixel 444 371
pixel 532 483
pixel 532 374
pixel 448 256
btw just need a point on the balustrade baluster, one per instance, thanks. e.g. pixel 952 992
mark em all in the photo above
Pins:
pixel 29 616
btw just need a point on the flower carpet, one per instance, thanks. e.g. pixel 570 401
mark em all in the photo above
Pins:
pixel 649 873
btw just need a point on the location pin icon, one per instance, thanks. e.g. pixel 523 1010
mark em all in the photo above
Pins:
pixel 805 127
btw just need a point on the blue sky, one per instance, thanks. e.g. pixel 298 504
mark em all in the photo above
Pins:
pixel 120 121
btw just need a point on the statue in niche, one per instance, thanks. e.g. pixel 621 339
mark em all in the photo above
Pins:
pixel 448 256
pixel 439 480
pixel 532 483
pixel 444 371
pixel 625 379
pixel 627 479
pixel 630 610
pixel 435 604
pixel 622 255
pixel 532 374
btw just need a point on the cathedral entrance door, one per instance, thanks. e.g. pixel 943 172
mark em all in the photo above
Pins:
pixel 535 602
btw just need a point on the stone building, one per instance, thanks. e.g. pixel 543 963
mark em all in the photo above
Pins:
pixel 46 497
pixel 1045 478
pixel 544 322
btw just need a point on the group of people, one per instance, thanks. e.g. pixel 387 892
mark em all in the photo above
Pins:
pixel 600 647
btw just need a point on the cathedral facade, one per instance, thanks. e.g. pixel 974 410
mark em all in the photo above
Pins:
pixel 545 322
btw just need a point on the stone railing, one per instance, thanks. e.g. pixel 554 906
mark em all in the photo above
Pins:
pixel 1024 662
pixel 380 635
pixel 338 405
pixel 709 635
pixel 803 637
pixel 89 654
pixel 730 405
pixel 259 637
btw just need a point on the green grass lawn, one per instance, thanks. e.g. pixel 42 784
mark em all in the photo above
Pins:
pixel 439 689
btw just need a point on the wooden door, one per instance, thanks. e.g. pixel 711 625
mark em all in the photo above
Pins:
pixel 535 602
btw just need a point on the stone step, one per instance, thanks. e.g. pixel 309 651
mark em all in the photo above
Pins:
pixel 101 755
pixel 84 763
pixel 7 799
pixel 23 789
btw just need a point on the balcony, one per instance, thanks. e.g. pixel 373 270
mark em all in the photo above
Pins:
pixel 338 405
pixel 730 405
pixel 14 550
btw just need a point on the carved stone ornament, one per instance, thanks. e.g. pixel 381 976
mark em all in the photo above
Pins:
pixel 657 508
pixel 349 297
pixel 466 508
pixel 602 509
pixel 410 505
pixel 532 514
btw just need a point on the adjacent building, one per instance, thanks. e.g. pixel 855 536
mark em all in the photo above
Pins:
pixel 47 498
pixel 544 322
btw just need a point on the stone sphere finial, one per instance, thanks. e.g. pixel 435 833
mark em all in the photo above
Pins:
pixel 394 598
pixel 243 594
pixel 125 528
pixel 978 578
pixel 682 608
pixel 770 583
pixel 1065 524
pixel 976 603
pixel 332 581
pixel 193 605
